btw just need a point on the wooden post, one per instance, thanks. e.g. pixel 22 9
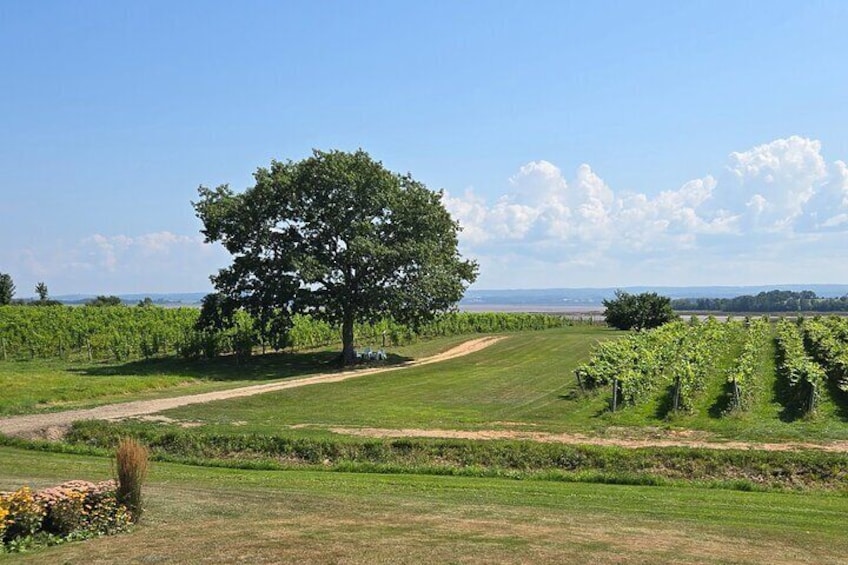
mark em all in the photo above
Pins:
pixel 737 401
pixel 676 401
pixel 3 342
pixel 614 395
pixel 811 402
pixel 579 382
pixel 90 356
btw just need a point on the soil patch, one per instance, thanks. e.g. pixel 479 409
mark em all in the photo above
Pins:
pixel 670 439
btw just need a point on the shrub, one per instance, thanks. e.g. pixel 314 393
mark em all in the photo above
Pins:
pixel 243 340
pixel 638 311
pixel 131 466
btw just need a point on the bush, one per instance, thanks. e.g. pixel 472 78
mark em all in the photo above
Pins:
pixel 638 311
pixel 131 466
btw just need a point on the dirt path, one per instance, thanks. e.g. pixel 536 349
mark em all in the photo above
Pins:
pixel 53 425
pixel 667 439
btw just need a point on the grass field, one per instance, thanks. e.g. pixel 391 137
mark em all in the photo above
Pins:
pixel 525 382
pixel 456 500
pixel 205 515
pixel 48 385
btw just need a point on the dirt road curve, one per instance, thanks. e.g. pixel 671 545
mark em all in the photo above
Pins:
pixel 52 425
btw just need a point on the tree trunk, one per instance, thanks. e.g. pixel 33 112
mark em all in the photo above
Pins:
pixel 348 353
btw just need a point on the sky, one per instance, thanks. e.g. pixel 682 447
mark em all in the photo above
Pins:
pixel 579 144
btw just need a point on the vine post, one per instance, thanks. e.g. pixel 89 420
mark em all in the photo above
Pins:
pixel 614 395
pixel 811 400
pixel 737 400
pixel 676 401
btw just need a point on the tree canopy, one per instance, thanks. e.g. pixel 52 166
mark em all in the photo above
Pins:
pixel 638 311
pixel 771 301
pixel 41 291
pixel 336 236
pixel 7 289
pixel 103 300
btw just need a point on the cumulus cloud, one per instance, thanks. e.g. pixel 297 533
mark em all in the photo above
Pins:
pixel 776 192
pixel 784 174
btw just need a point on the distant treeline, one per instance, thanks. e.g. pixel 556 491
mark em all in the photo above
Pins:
pixel 771 301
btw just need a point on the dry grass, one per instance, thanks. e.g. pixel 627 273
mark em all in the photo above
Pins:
pixel 131 466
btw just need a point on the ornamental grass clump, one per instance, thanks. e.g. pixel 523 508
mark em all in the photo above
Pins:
pixel 131 467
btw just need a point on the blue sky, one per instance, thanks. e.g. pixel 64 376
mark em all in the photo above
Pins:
pixel 579 143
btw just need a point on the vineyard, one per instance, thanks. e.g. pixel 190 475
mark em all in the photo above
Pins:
pixel 674 364
pixel 121 332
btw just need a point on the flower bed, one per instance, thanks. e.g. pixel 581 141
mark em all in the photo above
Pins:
pixel 71 511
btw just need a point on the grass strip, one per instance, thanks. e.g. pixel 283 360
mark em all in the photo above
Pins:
pixel 736 469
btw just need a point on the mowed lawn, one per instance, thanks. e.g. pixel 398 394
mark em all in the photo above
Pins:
pixel 209 515
pixel 40 385
pixel 522 381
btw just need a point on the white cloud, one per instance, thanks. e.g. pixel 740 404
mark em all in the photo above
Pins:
pixel 786 173
pixel 767 195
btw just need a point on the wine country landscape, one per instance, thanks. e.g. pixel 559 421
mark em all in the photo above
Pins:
pixel 375 282
pixel 489 449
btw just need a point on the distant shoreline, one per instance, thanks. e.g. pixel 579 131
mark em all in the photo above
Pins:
pixel 543 308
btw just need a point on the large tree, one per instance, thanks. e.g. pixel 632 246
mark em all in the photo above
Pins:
pixel 7 289
pixel 336 236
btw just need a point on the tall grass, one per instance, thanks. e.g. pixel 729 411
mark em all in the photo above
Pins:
pixel 131 461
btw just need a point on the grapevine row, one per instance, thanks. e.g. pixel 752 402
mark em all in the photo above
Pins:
pixel 742 376
pixel 827 341
pixel 123 332
pixel 699 349
pixel 804 376
pixel 638 364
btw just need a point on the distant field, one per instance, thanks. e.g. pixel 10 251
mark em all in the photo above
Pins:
pixel 205 515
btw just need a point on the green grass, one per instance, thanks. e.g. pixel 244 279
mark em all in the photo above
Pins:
pixel 328 512
pixel 524 383
pixel 200 515
pixel 728 469
pixel 48 385
pixel 520 380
